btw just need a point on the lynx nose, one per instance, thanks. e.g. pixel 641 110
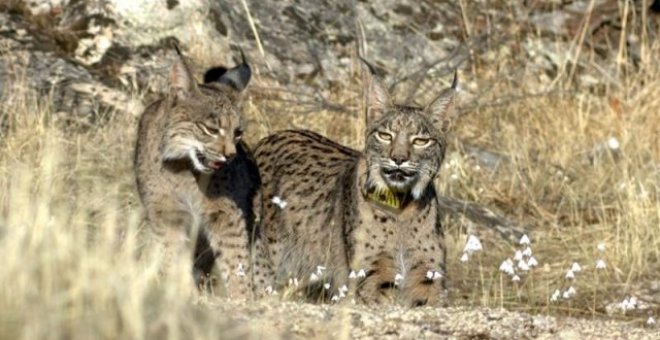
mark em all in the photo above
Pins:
pixel 399 159
pixel 230 150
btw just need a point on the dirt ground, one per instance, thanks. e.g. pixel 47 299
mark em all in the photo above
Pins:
pixel 291 320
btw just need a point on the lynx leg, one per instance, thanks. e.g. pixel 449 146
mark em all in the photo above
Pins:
pixel 378 285
pixel 228 238
pixel 425 282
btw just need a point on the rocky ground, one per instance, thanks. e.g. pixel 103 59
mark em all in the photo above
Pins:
pixel 290 320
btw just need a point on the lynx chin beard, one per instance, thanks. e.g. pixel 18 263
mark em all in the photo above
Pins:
pixel 398 181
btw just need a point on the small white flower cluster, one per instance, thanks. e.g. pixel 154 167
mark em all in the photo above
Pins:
pixel 270 291
pixel 570 292
pixel 523 261
pixel 567 294
pixel 315 277
pixel 293 282
pixel 341 293
pixel 361 274
pixel 240 271
pixel 278 201
pixel 628 303
pixel 650 321
pixel 570 273
pixel 433 275
pixel 472 245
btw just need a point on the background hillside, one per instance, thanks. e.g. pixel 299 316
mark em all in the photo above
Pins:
pixel 559 132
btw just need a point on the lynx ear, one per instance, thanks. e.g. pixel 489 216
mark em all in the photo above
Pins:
pixel 182 82
pixel 237 77
pixel 376 96
pixel 441 109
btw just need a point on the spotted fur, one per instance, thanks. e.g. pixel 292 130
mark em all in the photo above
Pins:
pixel 335 217
pixel 195 176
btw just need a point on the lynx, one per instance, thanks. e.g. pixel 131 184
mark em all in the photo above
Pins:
pixel 196 176
pixel 366 220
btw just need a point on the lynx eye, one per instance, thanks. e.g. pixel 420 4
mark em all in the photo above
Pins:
pixel 208 130
pixel 384 136
pixel 422 142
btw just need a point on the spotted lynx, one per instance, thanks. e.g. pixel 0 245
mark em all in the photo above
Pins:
pixel 196 176
pixel 366 220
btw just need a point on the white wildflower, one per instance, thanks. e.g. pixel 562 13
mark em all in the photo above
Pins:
pixel 613 143
pixel 570 275
pixel 465 257
pixel 271 291
pixel 601 247
pixel 628 303
pixel 429 275
pixel 571 291
pixel 650 321
pixel 313 278
pixel 335 298
pixel 343 289
pixel 566 295
pixel 279 202
pixel 518 255
pixel 515 278
pixel 397 279
pixel 437 275
pixel 326 286
pixel 472 245
pixel 352 275
pixel 555 295
pixel 507 267
pixel 527 252
pixel 532 262
pixel 524 240
pixel 600 264
pixel 576 267
pixel 362 274
pixel 294 282
pixel 240 271
pixel 320 270
pixel 523 265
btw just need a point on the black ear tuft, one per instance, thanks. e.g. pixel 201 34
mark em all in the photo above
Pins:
pixel 181 80
pixel 214 74
pixel 442 109
pixel 377 98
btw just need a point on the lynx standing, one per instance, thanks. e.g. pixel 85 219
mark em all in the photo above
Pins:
pixel 195 176
pixel 370 216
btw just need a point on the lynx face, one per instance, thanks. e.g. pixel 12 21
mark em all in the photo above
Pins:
pixel 405 145
pixel 204 122
pixel 404 151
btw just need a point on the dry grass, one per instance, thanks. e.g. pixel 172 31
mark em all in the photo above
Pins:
pixel 75 264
